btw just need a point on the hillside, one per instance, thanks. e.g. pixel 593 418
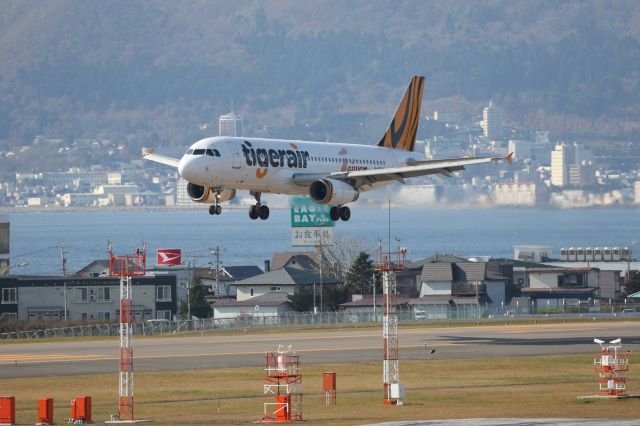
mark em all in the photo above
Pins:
pixel 148 73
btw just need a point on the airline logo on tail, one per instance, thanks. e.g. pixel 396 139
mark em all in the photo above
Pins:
pixel 401 133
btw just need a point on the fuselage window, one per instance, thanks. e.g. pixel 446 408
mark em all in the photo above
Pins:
pixel 198 152
pixel 189 151
pixel 210 152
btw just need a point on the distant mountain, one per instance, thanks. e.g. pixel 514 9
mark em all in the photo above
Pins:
pixel 149 72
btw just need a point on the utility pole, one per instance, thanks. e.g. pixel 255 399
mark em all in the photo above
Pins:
pixel 216 252
pixel 64 261
pixel 373 281
pixel 64 282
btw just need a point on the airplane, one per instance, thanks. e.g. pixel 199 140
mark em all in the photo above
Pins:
pixel 330 173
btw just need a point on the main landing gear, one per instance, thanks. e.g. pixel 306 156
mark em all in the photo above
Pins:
pixel 340 213
pixel 216 208
pixel 258 210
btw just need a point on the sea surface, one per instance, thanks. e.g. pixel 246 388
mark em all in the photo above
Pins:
pixel 466 232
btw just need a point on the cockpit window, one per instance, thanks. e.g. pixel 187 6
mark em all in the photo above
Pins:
pixel 213 152
pixel 198 152
pixel 189 151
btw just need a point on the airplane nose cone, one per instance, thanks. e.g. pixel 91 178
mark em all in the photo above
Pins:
pixel 185 168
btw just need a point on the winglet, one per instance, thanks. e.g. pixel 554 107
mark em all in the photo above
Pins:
pixel 509 158
pixel 401 133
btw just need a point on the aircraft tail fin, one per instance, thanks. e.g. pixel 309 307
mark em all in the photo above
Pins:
pixel 401 133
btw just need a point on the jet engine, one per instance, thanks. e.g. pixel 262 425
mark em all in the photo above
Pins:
pixel 207 195
pixel 332 191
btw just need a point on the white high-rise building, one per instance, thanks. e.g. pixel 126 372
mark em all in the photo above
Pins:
pixel 230 125
pixel 637 192
pixel 560 160
pixel 492 122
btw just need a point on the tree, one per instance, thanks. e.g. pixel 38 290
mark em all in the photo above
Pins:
pixel 302 301
pixel 633 285
pixel 337 258
pixel 358 278
pixel 197 297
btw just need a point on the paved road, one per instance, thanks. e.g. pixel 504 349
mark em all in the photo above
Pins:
pixel 212 351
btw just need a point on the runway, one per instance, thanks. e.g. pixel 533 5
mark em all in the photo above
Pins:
pixel 316 347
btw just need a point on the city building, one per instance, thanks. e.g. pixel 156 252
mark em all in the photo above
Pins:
pixel 571 166
pixel 492 122
pixel 561 157
pixel 515 194
pixel 230 125
pixel 583 174
pixel 182 196
pixel 521 149
pixel 637 192
pixel 532 253
pixel 47 298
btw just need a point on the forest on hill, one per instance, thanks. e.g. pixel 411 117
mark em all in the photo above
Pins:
pixel 153 72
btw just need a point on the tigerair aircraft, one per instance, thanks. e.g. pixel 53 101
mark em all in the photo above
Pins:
pixel 330 173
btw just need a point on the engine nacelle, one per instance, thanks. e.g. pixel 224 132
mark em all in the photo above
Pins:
pixel 332 191
pixel 207 195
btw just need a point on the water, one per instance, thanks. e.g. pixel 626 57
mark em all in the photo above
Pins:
pixel 466 232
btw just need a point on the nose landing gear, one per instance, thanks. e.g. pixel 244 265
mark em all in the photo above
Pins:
pixel 216 209
pixel 258 210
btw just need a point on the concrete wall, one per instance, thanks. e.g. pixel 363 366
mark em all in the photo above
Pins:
pixel 223 312
pixel 543 279
pixel 435 287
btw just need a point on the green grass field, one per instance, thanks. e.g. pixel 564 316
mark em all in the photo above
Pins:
pixel 541 386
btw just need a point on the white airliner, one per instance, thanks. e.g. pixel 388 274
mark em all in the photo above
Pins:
pixel 331 173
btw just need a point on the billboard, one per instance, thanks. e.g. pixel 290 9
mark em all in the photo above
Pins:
pixel 307 213
pixel 311 224
pixel 313 236
pixel 169 257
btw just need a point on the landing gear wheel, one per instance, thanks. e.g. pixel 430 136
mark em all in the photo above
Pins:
pixel 218 209
pixel 334 214
pixel 345 213
pixel 212 209
pixel 264 212
pixel 253 212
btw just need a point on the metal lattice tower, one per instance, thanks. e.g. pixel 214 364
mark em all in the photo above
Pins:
pixel 391 366
pixel 393 390
pixel 125 392
pixel 126 267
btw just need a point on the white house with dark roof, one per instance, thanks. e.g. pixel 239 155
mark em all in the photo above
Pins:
pixel 285 280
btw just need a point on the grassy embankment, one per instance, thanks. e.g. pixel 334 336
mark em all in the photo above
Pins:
pixel 541 386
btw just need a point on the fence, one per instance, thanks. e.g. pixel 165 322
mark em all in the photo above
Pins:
pixel 321 319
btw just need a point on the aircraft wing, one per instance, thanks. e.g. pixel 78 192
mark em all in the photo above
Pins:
pixel 363 178
pixel 169 161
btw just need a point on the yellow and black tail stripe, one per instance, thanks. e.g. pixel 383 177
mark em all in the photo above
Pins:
pixel 401 133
